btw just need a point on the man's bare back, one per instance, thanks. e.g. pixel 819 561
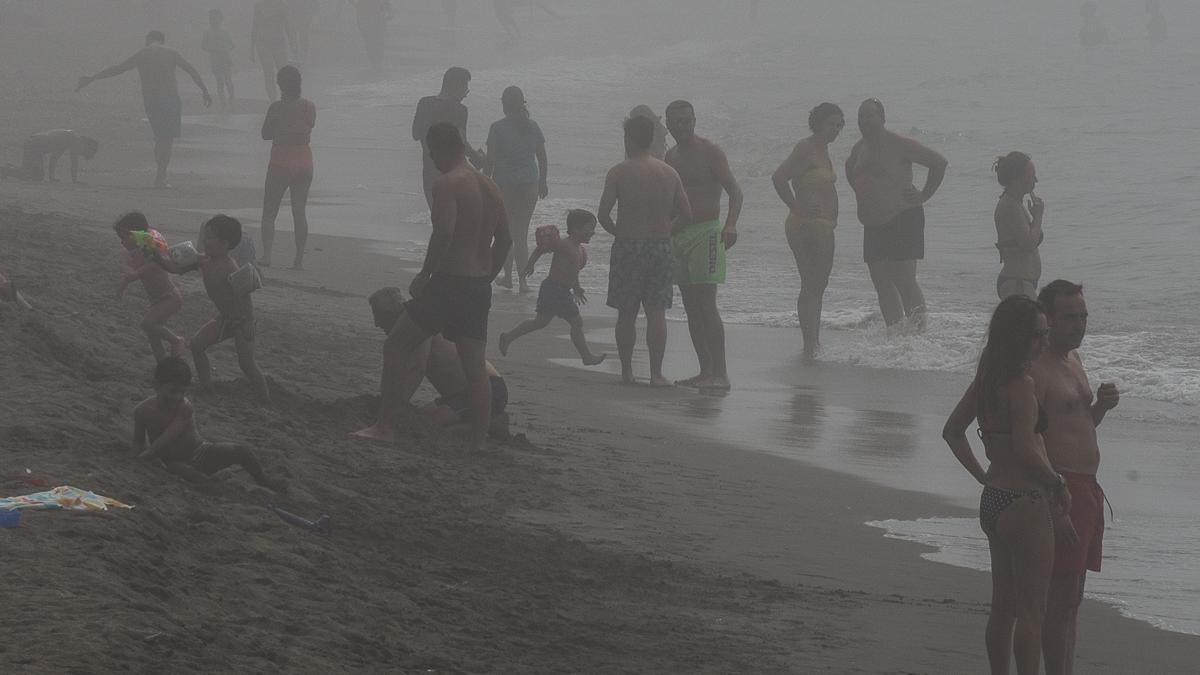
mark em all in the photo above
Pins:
pixel 184 435
pixel 469 204
pixel 649 193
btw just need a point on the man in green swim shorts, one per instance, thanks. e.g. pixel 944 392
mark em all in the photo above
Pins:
pixel 699 246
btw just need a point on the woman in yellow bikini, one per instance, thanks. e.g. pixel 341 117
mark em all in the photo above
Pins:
pixel 1018 226
pixel 806 183
pixel 288 125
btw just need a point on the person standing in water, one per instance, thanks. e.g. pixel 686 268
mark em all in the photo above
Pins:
pixel 300 15
pixel 219 44
pixel 1020 487
pixel 890 207
pixel 699 245
pixel 156 64
pixel 516 151
pixel 373 17
pixel 270 37
pixel 1073 449
pixel 447 106
pixel 1018 226
pixel 806 182
pixel 288 125
pixel 452 294
pixel 652 202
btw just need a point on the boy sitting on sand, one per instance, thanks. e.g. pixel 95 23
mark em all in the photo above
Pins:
pixel 53 143
pixel 168 420
pixel 235 312
pixel 437 360
pixel 560 293
pixel 165 300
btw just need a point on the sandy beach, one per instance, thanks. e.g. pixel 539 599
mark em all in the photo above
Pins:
pixel 622 529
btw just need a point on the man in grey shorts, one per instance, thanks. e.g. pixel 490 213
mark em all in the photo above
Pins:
pixel 651 198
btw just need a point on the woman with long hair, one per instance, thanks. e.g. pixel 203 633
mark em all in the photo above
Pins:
pixel 1018 226
pixel 516 152
pixel 288 125
pixel 806 182
pixel 1019 485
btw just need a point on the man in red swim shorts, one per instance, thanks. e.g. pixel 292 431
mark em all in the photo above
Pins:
pixel 1074 413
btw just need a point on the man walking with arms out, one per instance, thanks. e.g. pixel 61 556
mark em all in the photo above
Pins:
pixel 156 66
pixel 700 245
pixel 1073 415
pixel 890 207
pixel 651 201
pixel 452 294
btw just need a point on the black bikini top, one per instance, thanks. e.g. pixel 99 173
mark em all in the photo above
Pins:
pixel 1042 425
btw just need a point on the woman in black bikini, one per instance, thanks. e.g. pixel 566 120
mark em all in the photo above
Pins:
pixel 1018 226
pixel 1019 485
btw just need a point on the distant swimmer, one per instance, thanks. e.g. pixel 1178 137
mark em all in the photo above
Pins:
pixel 437 360
pixel 452 294
pixel 1021 489
pixel 650 201
pixel 561 293
pixel 1018 226
pixel 164 428
pixel 301 14
pixel 270 39
pixel 219 44
pixel 1156 28
pixel 890 207
pixel 699 245
pixel 373 17
pixel 1093 32
pixel 288 125
pixel 1074 451
pixel 806 182
pixel 52 145
pixel 658 147
pixel 516 152
pixel 9 293
pixel 156 66
pixel 446 106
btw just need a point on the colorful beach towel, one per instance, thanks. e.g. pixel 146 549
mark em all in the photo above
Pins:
pixel 65 498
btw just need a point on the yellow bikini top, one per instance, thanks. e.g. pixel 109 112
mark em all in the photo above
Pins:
pixel 816 175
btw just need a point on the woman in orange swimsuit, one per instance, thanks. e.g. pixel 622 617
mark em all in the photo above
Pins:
pixel 289 126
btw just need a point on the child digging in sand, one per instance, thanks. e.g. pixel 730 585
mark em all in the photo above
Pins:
pixel 235 312
pixel 165 300
pixel 168 421
pixel 560 293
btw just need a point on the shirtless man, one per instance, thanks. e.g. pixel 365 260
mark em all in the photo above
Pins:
pixel 447 106
pixel 156 66
pixel 653 205
pixel 52 143
pixel 1073 414
pixel 437 361
pixel 890 208
pixel 452 294
pixel 700 245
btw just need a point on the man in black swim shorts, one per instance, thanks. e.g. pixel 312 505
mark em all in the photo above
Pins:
pixel 890 207
pixel 452 294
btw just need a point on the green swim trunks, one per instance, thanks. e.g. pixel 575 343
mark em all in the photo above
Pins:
pixel 699 254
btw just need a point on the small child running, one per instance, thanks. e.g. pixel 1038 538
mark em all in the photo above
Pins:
pixel 165 300
pixel 235 312
pixel 168 421
pixel 219 45
pixel 560 293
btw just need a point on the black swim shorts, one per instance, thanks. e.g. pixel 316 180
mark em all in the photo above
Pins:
pixel 901 239
pixel 165 113
pixel 554 299
pixel 455 307
pixel 460 403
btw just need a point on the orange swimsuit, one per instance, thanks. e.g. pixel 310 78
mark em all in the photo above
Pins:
pixel 290 149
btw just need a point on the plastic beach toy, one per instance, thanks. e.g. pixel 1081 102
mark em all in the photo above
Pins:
pixel 546 236
pixel 150 242
pixel 184 254
pixel 245 280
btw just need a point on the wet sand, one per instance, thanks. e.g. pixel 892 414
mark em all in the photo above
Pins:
pixel 608 540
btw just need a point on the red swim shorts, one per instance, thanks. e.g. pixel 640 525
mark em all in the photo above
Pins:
pixel 1087 515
